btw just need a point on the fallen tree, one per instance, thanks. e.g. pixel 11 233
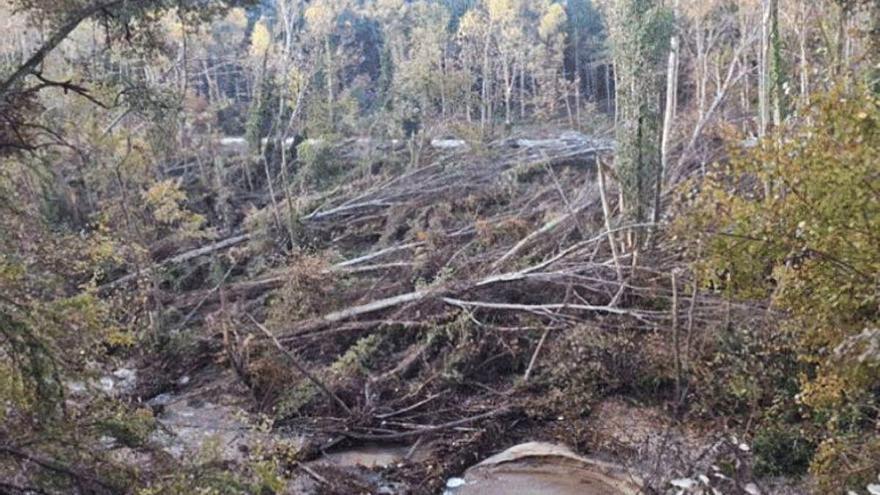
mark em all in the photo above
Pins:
pixel 464 271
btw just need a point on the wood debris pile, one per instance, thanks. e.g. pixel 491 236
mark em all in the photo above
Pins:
pixel 420 301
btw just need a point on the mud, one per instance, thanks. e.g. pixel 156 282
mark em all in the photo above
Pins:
pixel 373 456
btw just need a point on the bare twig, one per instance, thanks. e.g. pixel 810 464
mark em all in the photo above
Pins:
pixel 311 472
pixel 422 431
pixel 535 355
pixel 408 408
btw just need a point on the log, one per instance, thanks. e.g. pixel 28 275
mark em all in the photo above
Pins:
pixel 176 260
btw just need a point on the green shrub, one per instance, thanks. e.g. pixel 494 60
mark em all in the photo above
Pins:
pixel 794 221
pixel 782 451
pixel 319 165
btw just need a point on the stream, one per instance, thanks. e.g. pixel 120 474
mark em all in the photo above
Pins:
pixel 210 420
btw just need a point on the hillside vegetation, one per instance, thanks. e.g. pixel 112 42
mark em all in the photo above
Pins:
pixel 243 242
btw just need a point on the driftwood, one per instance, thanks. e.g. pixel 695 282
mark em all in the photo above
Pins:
pixel 424 430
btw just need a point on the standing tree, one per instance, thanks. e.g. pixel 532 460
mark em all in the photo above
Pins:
pixel 135 22
pixel 668 114
pixel 551 34
pixel 321 18
pixel 777 71
pixel 640 38
pixel 582 50
pixel 872 53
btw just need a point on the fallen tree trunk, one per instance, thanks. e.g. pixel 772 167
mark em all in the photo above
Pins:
pixel 443 294
pixel 176 260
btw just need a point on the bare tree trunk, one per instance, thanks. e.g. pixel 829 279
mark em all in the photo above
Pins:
pixel 669 112
pixel 53 41
pixel 840 47
pixel 577 78
pixel 577 101
pixel 445 74
pixel 567 97
pixel 522 87
pixel 702 75
pixel 804 62
pixel 606 212
pixel 777 76
pixel 508 87
pixel 608 98
pixel 330 96
pixel 763 69
pixel 484 104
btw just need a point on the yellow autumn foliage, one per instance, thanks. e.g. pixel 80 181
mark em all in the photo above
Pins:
pixel 261 40
pixel 810 247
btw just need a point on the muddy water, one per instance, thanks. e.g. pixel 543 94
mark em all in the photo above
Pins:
pixel 211 420
pixel 197 427
pixel 545 469
pixel 367 457
pixel 371 456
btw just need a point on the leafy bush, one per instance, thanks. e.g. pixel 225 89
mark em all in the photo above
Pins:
pixel 782 451
pixel 747 370
pixel 319 165
pixel 796 221
pixel 311 291
pixel 166 201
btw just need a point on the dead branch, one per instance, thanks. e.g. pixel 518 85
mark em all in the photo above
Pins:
pixel 176 260
pixel 301 368
pixel 535 355
pixel 311 472
pixel 391 437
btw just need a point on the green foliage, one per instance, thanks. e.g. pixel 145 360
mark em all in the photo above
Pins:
pixel 42 318
pixel 166 201
pixel 640 32
pixel 358 358
pixel 748 370
pixel 312 290
pixel 355 362
pixel 32 379
pixel 319 165
pixel 846 463
pixel 131 429
pixel 781 451
pixel 810 247
pixel 261 112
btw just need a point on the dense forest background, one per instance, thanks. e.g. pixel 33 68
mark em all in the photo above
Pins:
pixel 510 210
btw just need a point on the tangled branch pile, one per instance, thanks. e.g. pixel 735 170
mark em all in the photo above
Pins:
pixel 422 302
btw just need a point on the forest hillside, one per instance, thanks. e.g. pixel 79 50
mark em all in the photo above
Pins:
pixel 440 246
